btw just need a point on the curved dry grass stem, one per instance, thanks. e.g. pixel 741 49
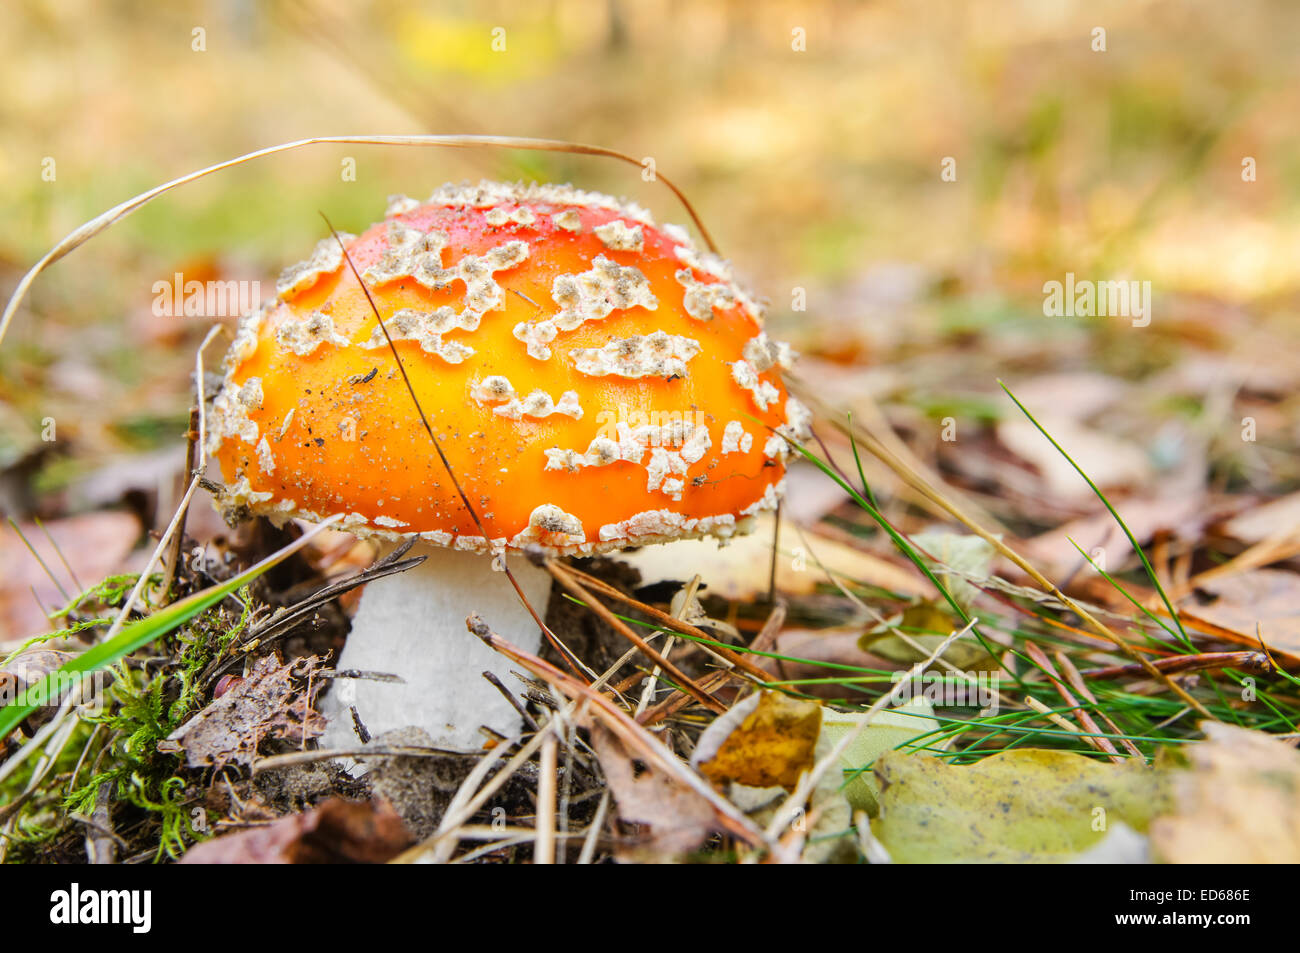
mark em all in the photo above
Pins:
pixel 99 223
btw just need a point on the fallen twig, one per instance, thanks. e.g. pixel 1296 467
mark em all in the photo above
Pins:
pixel 575 588
pixel 631 734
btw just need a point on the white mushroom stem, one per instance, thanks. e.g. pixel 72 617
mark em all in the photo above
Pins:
pixel 412 624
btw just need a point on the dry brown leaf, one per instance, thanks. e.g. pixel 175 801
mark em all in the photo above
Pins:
pixel 269 703
pixel 335 832
pixel 678 819
pixel 1145 516
pixel 772 746
pixel 809 494
pixel 812 647
pixel 1267 597
pixel 30 666
pixel 1280 518
pixel 25 670
pixel 1270 369
pixel 1238 803
pixel 1109 461
pixel 1073 395
pixel 95 545
pixel 140 475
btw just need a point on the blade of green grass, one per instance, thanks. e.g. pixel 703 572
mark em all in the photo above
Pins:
pixel 905 547
pixel 1118 587
pixel 866 487
pixel 1151 573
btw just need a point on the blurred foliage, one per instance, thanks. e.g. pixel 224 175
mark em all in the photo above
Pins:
pixel 811 168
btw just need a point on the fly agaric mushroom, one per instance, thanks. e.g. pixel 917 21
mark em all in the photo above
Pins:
pixel 594 380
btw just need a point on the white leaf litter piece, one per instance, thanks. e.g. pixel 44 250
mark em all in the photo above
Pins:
pixel 618 237
pixel 496 389
pixel 673 448
pixel 763 393
pixel 652 355
pixel 326 258
pixel 588 296
pixel 700 298
pixel 735 439
pixel 552 526
pixel 427 327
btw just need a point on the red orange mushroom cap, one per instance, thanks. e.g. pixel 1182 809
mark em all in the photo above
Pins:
pixel 595 381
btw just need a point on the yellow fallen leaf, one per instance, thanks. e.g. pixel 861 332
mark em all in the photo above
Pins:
pixel 771 747
pixel 1026 805
pixel 888 730
pixel 755 754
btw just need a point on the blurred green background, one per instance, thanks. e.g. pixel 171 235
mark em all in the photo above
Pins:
pixel 817 169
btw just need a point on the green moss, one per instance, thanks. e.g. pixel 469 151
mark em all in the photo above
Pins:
pixel 144 710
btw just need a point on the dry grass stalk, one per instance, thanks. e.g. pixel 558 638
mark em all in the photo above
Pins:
pixel 88 230
pixel 576 589
pixel 659 617
pixel 1103 745
pixel 1079 685
pixel 633 736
